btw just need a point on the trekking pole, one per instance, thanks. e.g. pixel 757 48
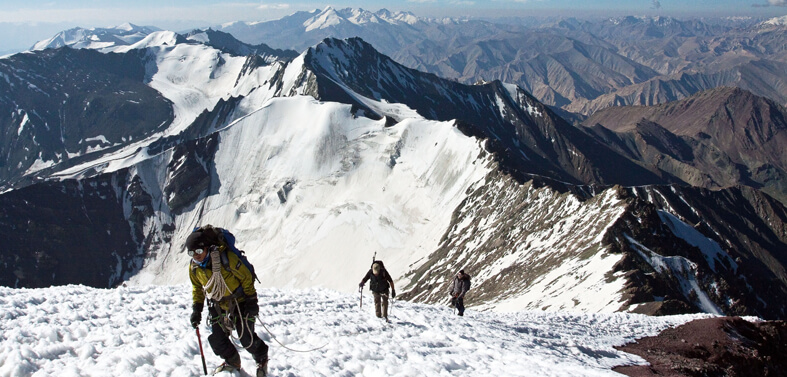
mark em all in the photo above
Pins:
pixel 360 290
pixel 201 353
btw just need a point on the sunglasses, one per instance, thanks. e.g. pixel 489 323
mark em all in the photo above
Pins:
pixel 195 252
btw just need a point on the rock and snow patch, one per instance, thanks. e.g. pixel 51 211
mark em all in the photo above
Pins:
pixel 684 272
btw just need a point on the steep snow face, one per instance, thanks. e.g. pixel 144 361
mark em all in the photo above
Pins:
pixel 79 331
pixel 319 192
pixel 711 250
pixel 194 78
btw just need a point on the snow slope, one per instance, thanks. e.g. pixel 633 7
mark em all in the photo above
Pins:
pixel 144 331
pixel 312 168
pixel 194 78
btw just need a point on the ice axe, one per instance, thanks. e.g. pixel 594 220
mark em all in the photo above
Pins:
pixel 201 353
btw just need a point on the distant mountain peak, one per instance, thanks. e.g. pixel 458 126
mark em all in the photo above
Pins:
pixel 330 17
pixel 97 38
pixel 126 26
pixel 657 20
pixel 324 19
pixel 776 21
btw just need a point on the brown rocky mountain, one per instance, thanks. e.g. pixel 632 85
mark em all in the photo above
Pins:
pixel 579 66
pixel 688 56
pixel 717 138
pixel 762 77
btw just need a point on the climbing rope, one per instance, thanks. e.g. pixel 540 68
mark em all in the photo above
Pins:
pixel 216 288
pixel 245 327
pixel 283 346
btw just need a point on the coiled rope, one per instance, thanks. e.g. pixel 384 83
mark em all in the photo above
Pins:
pixel 216 288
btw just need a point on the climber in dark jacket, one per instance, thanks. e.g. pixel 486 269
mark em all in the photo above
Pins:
pixel 380 279
pixel 459 287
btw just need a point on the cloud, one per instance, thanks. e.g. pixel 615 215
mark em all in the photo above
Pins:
pixel 775 3
pixel 656 4
pixel 273 6
pixel 164 16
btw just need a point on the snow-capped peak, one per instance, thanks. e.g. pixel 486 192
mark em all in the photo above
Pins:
pixel 776 21
pixel 358 16
pixel 325 19
pixel 126 27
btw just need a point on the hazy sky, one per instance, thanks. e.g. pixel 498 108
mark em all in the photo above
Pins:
pixel 22 22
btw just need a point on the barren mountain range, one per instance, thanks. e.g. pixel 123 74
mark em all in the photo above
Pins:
pixel 717 138
pixel 579 66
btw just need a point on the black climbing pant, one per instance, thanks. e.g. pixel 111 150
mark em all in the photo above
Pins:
pixel 221 344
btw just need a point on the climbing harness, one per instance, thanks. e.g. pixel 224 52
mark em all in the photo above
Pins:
pixel 216 289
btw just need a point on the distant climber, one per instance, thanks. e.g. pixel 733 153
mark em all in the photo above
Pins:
pixel 380 279
pixel 459 286
pixel 218 274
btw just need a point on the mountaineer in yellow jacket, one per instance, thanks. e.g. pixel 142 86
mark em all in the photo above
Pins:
pixel 222 278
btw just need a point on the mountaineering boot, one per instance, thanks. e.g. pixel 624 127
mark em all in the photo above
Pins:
pixel 229 365
pixel 262 369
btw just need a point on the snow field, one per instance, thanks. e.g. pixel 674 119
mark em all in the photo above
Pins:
pixel 144 331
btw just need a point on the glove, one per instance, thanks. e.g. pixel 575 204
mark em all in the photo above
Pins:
pixel 393 293
pixel 251 307
pixel 360 285
pixel 196 314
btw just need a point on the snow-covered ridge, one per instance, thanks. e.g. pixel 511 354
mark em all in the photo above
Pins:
pixel 144 330
pixel 654 20
pixel 97 38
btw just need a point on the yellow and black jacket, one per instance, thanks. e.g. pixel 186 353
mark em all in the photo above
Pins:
pixel 234 272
